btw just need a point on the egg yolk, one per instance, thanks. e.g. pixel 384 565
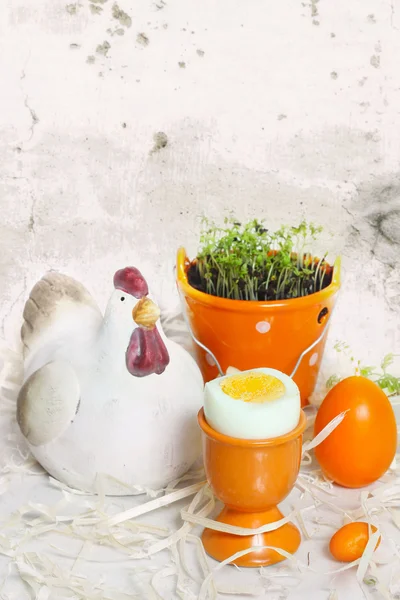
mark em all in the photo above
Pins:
pixel 253 387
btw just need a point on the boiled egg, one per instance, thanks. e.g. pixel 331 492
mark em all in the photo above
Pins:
pixel 257 404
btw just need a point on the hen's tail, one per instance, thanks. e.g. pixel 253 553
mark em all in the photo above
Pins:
pixel 58 304
pixel 11 375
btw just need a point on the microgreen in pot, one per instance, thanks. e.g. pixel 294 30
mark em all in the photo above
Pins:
pixel 250 262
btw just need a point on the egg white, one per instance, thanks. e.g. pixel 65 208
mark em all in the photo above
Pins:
pixel 252 420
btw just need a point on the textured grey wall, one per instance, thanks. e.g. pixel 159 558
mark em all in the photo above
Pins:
pixel 279 113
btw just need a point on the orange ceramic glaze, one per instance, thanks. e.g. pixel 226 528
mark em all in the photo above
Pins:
pixel 249 334
pixel 361 449
pixel 251 477
pixel 350 541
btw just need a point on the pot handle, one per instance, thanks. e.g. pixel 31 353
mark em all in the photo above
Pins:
pixel 208 351
pixel 194 338
pixel 310 347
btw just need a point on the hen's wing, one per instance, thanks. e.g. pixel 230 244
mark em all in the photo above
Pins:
pixel 59 311
pixel 48 402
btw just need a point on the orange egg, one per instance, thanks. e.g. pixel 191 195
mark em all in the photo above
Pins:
pixel 350 541
pixel 361 449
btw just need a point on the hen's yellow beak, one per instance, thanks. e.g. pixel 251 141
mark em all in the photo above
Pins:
pixel 146 313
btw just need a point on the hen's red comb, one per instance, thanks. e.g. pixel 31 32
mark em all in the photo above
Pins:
pixel 131 281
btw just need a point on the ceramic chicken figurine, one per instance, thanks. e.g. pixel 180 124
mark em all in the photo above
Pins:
pixel 106 401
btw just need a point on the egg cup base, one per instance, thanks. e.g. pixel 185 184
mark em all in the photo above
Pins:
pixel 220 545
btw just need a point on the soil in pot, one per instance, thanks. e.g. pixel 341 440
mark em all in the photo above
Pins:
pixel 266 287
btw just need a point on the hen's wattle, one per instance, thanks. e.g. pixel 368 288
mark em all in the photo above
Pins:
pixel 146 353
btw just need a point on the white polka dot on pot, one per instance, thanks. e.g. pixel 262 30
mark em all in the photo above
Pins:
pixel 210 360
pixel 313 359
pixel 263 326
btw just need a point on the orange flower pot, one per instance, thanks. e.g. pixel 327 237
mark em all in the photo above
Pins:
pixel 251 477
pixel 247 334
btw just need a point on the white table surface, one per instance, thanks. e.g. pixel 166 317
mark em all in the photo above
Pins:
pixel 119 573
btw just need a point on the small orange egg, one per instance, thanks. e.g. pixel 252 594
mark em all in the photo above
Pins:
pixel 350 541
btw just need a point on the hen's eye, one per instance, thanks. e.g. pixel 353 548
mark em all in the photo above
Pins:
pixel 122 298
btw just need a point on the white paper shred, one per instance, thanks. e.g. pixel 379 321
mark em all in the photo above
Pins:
pixel 327 430
pixel 217 526
pixel 91 521
pixel 154 504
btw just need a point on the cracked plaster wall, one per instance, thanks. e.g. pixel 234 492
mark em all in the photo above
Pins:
pixel 283 111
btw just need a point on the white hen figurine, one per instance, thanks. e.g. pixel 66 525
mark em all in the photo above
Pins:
pixel 107 403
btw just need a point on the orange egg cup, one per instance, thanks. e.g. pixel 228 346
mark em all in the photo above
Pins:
pixel 249 334
pixel 251 477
